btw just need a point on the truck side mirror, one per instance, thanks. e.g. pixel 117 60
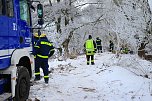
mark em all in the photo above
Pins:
pixel 40 10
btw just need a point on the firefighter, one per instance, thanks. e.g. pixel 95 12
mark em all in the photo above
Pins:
pixel 111 46
pixel 90 48
pixel 44 50
pixel 99 46
pixel 36 38
pixel 124 50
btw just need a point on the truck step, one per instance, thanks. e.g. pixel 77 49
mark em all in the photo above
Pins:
pixel 5 96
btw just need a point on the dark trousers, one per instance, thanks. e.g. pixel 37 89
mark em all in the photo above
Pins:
pixel 99 49
pixel 111 49
pixel 42 63
pixel 88 59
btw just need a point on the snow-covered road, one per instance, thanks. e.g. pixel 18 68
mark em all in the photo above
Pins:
pixel 107 80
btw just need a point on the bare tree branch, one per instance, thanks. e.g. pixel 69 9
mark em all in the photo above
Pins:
pixel 87 4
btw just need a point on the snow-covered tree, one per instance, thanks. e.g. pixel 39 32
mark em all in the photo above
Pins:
pixel 69 22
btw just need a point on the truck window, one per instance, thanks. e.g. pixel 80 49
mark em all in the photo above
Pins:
pixel 24 11
pixel 2 7
pixel 10 8
pixel 6 7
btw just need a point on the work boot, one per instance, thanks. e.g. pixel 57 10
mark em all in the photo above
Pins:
pixel 92 63
pixel 46 84
pixel 46 80
pixel 37 78
pixel 87 63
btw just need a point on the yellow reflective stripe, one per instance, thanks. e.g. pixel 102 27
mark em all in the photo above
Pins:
pixel 46 43
pixel 42 56
pixel 88 62
pixel 37 46
pixel 98 45
pixel 36 36
pixel 92 60
pixel 38 73
pixel 34 56
pixel 46 76
pixel 52 50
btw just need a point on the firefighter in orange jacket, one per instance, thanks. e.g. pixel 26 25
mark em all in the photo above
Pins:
pixel 90 48
pixel 43 50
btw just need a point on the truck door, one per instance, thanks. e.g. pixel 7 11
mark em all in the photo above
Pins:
pixel 13 28
pixel 4 43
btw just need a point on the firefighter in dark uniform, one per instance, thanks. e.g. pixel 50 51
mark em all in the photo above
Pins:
pixel 36 38
pixel 44 50
pixel 90 48
pixel 99 46
pixel 111 46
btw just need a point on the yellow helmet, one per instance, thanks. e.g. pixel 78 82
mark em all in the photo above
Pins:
pixel 36 35
pixel 42 35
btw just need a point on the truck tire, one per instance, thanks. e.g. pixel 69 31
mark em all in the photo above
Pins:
pixel 23 84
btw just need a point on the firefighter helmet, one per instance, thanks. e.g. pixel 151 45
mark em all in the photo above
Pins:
pixel 36 35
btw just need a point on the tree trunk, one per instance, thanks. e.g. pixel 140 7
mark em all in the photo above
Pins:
pixel 141 50
pixel 58 1
pixel 50 2
pixel 65 45
pixel 59 25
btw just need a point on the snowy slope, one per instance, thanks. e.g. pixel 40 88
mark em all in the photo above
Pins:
pixel 110 79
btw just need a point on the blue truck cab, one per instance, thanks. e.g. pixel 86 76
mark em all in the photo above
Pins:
pixel 16 61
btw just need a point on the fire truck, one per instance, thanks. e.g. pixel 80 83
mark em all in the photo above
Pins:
pixel 16 60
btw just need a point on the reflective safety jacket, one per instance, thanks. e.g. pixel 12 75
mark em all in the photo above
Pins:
pixel 90 47
pixel 125 50
pixel 43 48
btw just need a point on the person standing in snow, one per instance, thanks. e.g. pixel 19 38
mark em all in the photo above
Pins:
pixel 90 48
pixel 36 37
pixel 99 46
pixel 111 46
pixel 43 50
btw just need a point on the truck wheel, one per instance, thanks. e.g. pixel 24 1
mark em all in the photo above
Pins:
pixel 23 84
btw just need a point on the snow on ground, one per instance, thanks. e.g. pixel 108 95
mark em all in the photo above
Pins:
pixel 110 79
